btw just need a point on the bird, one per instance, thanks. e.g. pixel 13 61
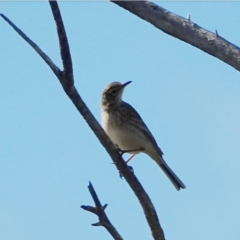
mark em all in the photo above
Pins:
pixel 128 132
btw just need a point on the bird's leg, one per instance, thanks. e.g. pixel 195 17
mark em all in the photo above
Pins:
pixel 129 151
pixel 130 158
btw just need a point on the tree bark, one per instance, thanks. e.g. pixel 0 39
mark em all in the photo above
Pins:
pixel 185 30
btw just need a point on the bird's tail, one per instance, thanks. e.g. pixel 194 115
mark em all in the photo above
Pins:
pixel 178 184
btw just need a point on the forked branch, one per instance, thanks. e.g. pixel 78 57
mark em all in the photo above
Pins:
pixel 67 81
pixel 99 210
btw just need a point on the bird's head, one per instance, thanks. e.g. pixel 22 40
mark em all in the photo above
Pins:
pixel 112 94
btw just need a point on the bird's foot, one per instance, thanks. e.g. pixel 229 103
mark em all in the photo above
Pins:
pixel 131 169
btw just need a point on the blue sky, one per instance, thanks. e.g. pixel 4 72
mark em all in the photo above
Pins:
pixel 188 99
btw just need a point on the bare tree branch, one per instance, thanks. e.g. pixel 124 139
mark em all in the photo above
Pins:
pixel 145 201
pixel 63 42
pixel 185 30
pixel 66 79
pixel 99 210
pixel 49 62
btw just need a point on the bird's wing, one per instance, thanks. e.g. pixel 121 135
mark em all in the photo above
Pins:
pixel 134 118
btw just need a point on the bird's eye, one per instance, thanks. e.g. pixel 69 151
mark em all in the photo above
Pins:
pixel 114 91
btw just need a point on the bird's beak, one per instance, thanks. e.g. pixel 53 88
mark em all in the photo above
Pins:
pixel 126 83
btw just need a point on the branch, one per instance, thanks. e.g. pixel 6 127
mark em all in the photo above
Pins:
pixel 63 42
pixel 145 201
pixel 99 210
pixel 185 30
pixel 66 79
pixel 49 62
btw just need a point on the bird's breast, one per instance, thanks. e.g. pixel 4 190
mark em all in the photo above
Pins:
pixel 121 133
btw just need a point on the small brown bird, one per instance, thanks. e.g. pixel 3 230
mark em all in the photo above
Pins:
pixel 126 129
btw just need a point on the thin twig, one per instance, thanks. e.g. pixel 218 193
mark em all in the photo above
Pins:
pixel 184 30
pixel 44 56
pixel 99 210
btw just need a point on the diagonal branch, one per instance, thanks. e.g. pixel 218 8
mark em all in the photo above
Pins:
pixel 185 30
pixel 66 79
pixel 99 210
pixel 44 56
pixel 145 201
pixel 63 42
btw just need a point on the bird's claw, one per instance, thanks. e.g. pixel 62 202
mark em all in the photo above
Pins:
pixel 131 169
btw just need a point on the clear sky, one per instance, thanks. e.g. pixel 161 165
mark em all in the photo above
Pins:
pixel 189 100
